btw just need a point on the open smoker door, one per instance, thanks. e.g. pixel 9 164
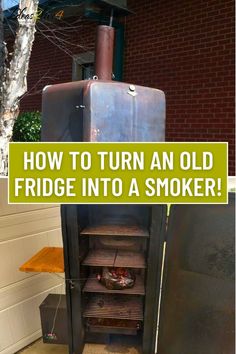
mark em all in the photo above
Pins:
pixel 197 307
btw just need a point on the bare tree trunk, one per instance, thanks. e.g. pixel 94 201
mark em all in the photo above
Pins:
pixel 15 79
pixel 1 45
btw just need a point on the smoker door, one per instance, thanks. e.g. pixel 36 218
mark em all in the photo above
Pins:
pixel 197 307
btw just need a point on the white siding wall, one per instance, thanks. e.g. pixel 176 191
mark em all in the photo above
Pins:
pixel 24 230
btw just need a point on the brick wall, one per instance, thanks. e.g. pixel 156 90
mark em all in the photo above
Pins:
pixel 185 48
pixel 50 64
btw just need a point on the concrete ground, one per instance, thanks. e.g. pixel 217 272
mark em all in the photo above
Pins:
pixel 40 348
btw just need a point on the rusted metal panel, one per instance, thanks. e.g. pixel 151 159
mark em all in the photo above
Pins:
pixel 123 112
pixel 62 116
pixel 102 111
pixel 197 309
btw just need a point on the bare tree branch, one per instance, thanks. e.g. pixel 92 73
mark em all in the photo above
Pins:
pixel 59 34
pixel 42 82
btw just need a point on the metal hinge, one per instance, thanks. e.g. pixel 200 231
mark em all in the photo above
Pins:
pixel 72 284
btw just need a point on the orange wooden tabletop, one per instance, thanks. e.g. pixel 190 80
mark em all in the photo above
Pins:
pixel 49 259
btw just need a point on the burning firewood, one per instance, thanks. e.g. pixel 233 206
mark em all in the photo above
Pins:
pixel 116 278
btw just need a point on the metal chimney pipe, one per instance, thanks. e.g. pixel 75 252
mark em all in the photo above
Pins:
pixel 104 52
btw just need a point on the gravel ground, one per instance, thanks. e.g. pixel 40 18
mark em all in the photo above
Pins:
pixel 40 348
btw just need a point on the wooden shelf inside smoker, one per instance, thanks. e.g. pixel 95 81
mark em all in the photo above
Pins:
pixel 114 307
pixel 114 258
pixel 115 230
pixel 113 326
pixel 94 286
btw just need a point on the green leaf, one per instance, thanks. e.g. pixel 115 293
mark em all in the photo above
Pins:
pixel 27 127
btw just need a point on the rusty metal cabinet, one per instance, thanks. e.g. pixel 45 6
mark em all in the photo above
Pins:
pixel 108 111
pixel 197 302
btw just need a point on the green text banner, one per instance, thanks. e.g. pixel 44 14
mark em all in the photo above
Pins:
pixel 121 173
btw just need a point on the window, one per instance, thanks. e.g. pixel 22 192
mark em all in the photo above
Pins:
pixel 88 71
pixel 83 66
